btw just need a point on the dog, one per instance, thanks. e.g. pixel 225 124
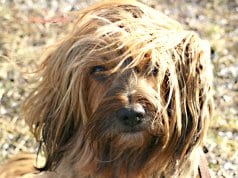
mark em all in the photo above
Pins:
pixel 127 94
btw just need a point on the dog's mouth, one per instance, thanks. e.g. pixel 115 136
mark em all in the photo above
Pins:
pixel 132 130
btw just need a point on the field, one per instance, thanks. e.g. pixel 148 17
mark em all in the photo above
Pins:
pixel 28 26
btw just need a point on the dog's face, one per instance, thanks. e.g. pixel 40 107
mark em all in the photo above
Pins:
pixel 125 110
pixel 127 87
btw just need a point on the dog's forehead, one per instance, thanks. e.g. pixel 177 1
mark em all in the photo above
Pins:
pixel 123 58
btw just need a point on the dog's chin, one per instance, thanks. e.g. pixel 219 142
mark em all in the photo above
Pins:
pixel 130 139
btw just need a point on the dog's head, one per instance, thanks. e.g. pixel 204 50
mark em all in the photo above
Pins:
pixel 127 87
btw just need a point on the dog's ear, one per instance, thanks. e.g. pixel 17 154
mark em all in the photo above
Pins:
pixel 195 76
pixel 55 109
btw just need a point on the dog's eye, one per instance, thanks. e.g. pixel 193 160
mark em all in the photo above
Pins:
pixel 155 71
pixel 97 69
pixel 127 61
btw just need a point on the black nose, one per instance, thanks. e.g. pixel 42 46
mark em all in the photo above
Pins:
pixel 131 116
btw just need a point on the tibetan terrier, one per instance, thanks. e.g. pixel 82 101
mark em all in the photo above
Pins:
pixel 127 94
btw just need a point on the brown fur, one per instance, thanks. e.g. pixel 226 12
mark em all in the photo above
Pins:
pixel 121 54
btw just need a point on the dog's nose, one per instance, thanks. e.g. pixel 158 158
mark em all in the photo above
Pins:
pixel 131 116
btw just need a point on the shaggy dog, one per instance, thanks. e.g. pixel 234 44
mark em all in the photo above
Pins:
pixel 127 94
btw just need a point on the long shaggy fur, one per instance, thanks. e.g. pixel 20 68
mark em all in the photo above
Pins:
pixel 119 54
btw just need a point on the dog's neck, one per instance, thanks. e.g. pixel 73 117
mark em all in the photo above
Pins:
pixel 187 169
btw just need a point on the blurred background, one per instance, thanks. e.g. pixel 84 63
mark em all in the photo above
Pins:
pixel 28 26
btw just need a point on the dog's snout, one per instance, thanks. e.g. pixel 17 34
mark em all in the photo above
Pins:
pixel 131 116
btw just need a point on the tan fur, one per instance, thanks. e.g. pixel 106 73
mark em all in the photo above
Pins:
pixel 18 166
pixel 144 58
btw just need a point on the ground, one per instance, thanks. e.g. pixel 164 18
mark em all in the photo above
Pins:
pixel 28 26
